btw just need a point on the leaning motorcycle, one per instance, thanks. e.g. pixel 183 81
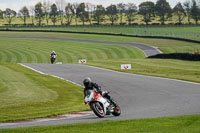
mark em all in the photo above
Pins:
pixel 53 58
pixel 100 105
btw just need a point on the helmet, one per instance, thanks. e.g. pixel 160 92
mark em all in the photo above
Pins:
pixel 87 82
pixel 53 52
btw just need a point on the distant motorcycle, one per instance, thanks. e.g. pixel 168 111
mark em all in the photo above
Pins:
pixel 100 105
pixel 53 58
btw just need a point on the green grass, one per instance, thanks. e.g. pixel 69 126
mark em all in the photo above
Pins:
pixel 37 51
pixel 181 124
pixel 25 94
pixel 187 32
pixel 165 45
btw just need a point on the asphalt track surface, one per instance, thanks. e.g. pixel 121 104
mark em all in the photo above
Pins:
pixel 138 96
pixel 148 50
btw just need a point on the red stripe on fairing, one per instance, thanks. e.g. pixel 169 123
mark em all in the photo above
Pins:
pixel 96 96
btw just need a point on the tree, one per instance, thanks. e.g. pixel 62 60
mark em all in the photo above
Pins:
pixel 179 12
pixel 1 14
pixel 90 9
pixel 32 13
pixel 130 12
pixel 195 11
pixel 121 10
pixel 39 14
pixel 75 6
pixel 70 12
pixel 187 7
pixel 82 13
pixel 111 12
pixel 147 10
pixel 99 14
pixel 61 4
pixel 163 10
pixel 24 13
pixel 46 8
pixel 54 13
pixel 9 15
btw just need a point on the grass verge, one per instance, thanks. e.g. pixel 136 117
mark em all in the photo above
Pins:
pixel 25 94
pixel 168 68
pixel 187 32
pixel 17 50
pixel 181 124
pixel 167 46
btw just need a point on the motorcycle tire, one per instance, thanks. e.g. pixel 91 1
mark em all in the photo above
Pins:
pixel 117 111
pixel 97 109
pixel 52 61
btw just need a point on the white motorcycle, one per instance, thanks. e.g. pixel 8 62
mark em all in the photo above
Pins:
pixel 100 105
pixel 53 58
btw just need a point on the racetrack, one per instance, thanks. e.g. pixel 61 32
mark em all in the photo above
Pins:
pixel 138 96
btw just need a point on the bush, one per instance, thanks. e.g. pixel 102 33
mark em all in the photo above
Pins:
pixel 181 56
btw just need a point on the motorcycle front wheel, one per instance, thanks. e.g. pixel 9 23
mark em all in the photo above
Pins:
pixel 97 108
pixel 52 60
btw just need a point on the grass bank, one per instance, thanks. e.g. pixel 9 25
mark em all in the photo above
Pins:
pixel 17 50
pixel 181 124
pixel 25 94
pixel 165 45
pixel 186 32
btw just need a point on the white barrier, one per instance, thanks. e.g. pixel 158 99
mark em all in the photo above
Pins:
pixel 82 61
pixel 125 66
pixel 58 62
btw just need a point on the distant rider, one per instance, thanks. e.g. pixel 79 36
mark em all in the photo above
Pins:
pixel 89 85
pixel 53 57
pixel 53 53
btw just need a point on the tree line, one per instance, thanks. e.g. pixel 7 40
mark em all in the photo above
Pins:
pixel 87 12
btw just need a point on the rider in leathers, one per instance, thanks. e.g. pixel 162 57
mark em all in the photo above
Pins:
pixel 89 85
pixel 53 53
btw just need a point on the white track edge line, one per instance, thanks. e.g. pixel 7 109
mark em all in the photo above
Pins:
pixel 157 48
pixel 49 74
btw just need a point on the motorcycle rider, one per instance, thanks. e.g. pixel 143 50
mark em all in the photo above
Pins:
pixel 53 53
pixel 53 57
pixel 89 85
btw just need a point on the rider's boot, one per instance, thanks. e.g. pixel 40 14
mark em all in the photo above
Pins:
pixel 113 102
pixel 106 95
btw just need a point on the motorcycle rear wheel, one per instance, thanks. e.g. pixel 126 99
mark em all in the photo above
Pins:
pixel 97 109
pixel 117 111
